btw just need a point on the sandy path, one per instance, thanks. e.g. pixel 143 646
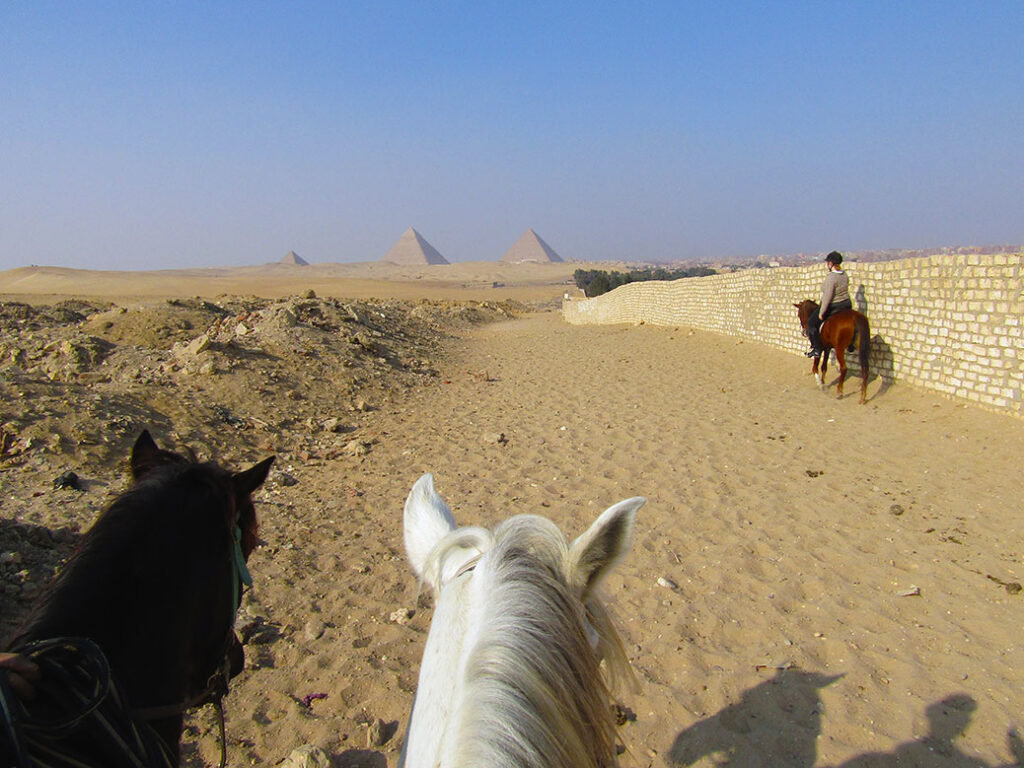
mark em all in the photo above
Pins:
pixel 790 522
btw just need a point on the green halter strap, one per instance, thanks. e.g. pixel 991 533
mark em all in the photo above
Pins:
pixel 242 575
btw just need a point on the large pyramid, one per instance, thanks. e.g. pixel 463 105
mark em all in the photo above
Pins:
pixel 411 248
pixel 530 247
pixel 293 258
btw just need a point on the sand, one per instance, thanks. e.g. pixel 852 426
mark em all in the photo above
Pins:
pixel 812 582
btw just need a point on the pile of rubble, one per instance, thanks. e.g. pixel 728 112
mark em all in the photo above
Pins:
pixel 234 379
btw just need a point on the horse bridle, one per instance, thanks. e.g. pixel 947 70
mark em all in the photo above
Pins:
pixel 216 689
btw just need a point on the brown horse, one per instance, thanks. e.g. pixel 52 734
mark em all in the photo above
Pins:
pixel 842 332
pixel 139 626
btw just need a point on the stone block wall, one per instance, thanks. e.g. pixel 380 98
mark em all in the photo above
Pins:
pixel 953 324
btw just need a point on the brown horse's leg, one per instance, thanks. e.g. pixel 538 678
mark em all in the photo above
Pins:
pixel 841 359
pixel 824 367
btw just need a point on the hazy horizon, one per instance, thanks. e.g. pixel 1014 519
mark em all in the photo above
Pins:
pixel 188 135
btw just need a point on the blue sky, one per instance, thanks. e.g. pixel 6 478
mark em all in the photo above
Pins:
pixel 164 135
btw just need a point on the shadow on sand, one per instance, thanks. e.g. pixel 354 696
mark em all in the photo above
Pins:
pixel 777 723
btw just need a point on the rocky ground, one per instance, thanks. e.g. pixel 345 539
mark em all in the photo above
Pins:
pixel 234 379
pixel 812 582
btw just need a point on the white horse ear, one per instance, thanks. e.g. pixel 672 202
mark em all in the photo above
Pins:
pixel 427 521
pixel 594 554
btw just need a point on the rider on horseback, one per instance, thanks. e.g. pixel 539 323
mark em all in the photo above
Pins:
pixel 835 297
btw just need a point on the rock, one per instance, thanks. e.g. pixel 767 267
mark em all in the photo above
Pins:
pixel 307 756
pixel 896 509
pixel 333 424
pixel 401 616
pixel 285 480
pixel 241 329
pixel 309 294
pixel 911 591
pixel 287 317
pixel 496 437
pixel 357 448
pixel 197 345
pixel 377 734
pixel 315 629
pixel 68 480
pixel 10 559
pixel 93 377
pixel 663 582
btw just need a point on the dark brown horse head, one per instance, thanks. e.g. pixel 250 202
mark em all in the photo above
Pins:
pixel 804 310
pixel 147 457
pixel 156 582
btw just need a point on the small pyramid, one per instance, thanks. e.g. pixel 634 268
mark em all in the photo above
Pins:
pixel 293 258
pixel 530 247
pixel 411 248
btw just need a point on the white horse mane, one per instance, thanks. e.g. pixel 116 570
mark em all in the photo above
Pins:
pixel 532 690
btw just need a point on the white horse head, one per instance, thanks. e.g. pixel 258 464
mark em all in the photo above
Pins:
pixel 511 672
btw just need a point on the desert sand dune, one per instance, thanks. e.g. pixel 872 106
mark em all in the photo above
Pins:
pixel 812 583
pixel 477 281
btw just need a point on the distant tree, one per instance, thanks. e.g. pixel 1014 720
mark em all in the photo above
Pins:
pixel 594 282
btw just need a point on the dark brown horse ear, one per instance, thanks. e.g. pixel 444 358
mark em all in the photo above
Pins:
pixel 252 478
pixel 145 455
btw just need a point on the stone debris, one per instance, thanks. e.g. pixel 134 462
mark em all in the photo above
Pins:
pixel 377 734
pixel 314 629
pixel 284 479
pixel 198 345
pixel 401 616
pixel 68 480
pixel 307 756
pixel 357 448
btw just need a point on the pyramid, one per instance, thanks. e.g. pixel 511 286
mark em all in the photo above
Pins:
pixel 293 258
pixel 411 248
pixel 530 247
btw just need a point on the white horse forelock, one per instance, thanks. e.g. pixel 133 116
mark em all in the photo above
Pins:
pixel 533 694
